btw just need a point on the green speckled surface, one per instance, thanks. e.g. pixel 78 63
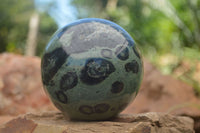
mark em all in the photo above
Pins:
pixel 91 69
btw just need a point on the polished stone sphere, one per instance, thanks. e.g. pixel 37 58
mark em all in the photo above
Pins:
pixel 91 69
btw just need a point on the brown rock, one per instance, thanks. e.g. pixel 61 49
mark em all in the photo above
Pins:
pixel 54 122
pixel 20 85
pixel 4 119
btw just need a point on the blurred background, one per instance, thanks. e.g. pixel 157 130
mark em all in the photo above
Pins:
pixel 167 32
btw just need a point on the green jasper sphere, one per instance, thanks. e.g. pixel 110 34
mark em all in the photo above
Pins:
pixel 91 69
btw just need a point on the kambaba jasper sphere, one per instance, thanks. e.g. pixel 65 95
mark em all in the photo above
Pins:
pixel 91 69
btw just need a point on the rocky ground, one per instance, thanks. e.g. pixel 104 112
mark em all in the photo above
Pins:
pixel 21 91
pixel 54 122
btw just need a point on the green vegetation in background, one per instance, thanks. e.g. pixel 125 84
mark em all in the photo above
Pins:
pixel 14 26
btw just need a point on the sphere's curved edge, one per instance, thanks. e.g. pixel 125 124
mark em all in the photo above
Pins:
pixel 100 20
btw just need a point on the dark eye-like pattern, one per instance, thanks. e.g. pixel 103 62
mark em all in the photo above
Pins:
pixel 51 63
pixel 117 87
pixel 85 109
pixel 99 108
pixel 61 97
pixel 122 53
pixel 132 66
pixel 96 70
pixel 102 108
pixel 68 81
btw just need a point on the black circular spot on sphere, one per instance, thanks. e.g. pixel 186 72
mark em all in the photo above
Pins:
pixel 101 108
pixel 68 81
pixel 136 52
pixel 96 70
pixel 132 66
pixel 106 53
pixel 51 63
pixel 85 109
pixel 61 96
pixel 122 53
pixel 117 87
